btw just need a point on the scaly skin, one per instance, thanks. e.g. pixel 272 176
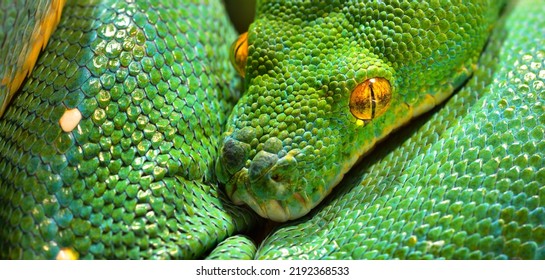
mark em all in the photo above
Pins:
pixel 292 136
pixel 30 25
pixel 133 179
pixel 463 182
pixel 237 247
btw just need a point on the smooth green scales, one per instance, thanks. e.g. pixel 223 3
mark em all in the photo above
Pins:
pixel 465 182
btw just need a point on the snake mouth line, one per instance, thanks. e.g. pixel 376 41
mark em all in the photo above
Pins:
pixel 260 196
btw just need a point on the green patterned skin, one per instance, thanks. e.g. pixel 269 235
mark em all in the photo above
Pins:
pixel 465 182
pixel 134 179
pixel 236 247
pixel 292 137
pixel 24 30
pixel 8 61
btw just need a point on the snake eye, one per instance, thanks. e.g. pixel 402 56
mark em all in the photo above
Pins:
pixel 239 53
pixel 370 99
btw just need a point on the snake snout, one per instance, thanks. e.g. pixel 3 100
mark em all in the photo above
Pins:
pixel 261 164
pixel 233 156
pixel 268 182
pixel 269 186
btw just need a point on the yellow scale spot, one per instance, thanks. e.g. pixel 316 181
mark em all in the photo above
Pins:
pixel 67 254
pixel 70 119
pixel 412 241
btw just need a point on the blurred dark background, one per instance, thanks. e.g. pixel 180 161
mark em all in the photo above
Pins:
pixel 241 13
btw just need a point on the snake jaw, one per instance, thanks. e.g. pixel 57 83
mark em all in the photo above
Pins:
pixel 268 186
pixel 238 191
pixel 236 188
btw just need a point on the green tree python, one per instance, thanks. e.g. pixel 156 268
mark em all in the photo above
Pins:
pixel 132 136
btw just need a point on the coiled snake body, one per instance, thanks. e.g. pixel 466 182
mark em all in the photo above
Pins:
pixel 113 146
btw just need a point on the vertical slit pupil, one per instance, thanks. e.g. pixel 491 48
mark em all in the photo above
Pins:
pixel 373 100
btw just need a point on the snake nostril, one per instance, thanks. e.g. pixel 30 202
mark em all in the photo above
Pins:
pixel 283 170
pixel 276 177
pixel 267 166
pixel 261 164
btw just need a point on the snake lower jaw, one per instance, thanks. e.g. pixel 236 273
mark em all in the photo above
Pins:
pixel 268 183
pixel 269 198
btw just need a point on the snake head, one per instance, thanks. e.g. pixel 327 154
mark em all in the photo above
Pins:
pixel 290 138
pixel 324 82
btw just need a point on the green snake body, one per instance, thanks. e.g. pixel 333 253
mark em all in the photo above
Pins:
pixel 153 84
pixel 465 182
pixel 136 177
pixel 304 67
